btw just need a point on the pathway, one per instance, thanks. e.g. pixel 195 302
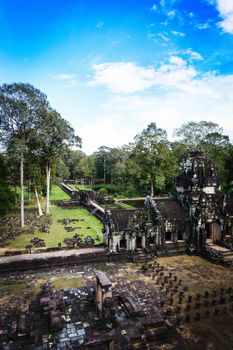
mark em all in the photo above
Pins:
pixel 46 255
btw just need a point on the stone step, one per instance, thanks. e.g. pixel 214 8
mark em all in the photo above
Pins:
pixel 227 258
pixel 228 253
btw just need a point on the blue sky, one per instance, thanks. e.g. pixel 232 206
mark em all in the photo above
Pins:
pixel 111 67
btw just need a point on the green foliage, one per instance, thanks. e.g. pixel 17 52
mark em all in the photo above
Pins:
pixel 130 192
pixel 79 164
pixel 6 197
pixel 153 158
pixel 209 138
pixel 108 188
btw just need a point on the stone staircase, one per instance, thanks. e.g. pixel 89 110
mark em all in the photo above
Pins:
pixel 140 256
pixel 225 253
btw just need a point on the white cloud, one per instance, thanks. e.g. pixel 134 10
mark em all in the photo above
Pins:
pixel 225 8
pixel 176 94
pixel 177 33
pixel 177 61
pixel 193 55
pixel 163 36
pixel 208 98
pixel 105 131
pixel 123 77
pixel 171 14
pixel 154 7
pixel 203 26
pixel 64 76
pixel 100 24
pixel 70 80
pixel 128 77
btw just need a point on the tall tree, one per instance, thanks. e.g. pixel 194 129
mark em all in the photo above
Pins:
pixel 198 134
pixel 207 137
pixel 20 106
pixel 55 135
pixel 153 157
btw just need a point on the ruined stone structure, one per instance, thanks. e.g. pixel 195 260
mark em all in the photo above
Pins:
pixel 199 191
pixel 161 224
pixel 196 218
pixel 197 215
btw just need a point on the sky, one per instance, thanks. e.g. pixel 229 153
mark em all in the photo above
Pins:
pixel 112 67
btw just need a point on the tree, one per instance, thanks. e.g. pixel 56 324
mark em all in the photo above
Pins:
pixel 152 155
pixel 6 195
pixel 78 164
pixel 20 107
pixel 207 137
pixel 197 134
pixel 102 163
pixel 55 135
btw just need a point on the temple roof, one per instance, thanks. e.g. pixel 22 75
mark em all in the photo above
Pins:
pixel 120 218
pixel 170 209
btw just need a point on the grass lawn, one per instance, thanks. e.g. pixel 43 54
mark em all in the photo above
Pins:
pixel 62 283
pixel 58 194
pixel 58 233
pixel 80 187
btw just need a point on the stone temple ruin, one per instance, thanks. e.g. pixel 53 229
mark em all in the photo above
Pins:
pixel 198 217
pixel 104 317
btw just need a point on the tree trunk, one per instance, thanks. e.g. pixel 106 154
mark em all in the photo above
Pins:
pixel 29 191
pixel 21 190
pixel 48 171
pixel 38 203
pixel 152 187
pixel 104 170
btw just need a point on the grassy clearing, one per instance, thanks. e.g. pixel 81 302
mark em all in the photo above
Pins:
pixel 58 233
pixel 80 187
pixel 58 194
pixel 63 283
pixel 13 287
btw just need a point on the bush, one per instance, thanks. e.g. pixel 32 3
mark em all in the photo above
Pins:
pixel 110 188
pixel 130 192
pixel 103 191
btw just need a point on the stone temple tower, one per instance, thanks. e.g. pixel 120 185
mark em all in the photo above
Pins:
pixel 198 190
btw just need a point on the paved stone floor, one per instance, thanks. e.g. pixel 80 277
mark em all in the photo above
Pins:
pixel 46 255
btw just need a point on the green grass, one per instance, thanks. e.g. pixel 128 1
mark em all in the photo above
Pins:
pixel 58 194
pixel 14 287
pixel 16 190
pixel 58 233
pixel 80 187
pixel 63 283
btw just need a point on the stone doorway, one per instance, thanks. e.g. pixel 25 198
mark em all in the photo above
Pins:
pixel 139 242
pixel 213 231
pixel 168 236
pixel 180 235
pixel 123 243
